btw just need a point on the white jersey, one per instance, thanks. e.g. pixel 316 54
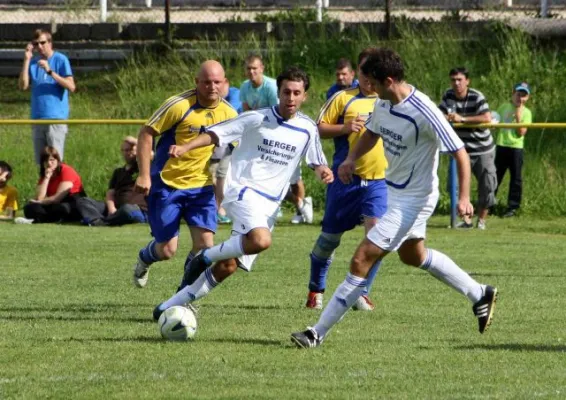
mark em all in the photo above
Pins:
pixel 413 132
pixel 269 150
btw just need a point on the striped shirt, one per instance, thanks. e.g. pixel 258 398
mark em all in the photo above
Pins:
pixel 477 141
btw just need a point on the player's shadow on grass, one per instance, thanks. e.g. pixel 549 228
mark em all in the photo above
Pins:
pixel 261 342
pixel 516 347
pixel 227 306
pixel 508 275
pixel 75 317
pixel 137 339
pixel 84 308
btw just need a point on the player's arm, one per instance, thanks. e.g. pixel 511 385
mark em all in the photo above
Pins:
pixel 366 142
pixel 63 191
pixel 316 160
pixel 144 149
pixel 202 140
pixel 465 208
pixel 329 131
pixel 110 201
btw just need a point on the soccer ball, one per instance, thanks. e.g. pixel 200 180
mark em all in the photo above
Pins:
pixel 177 323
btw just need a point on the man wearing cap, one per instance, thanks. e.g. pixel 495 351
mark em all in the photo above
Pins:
pixel 510 142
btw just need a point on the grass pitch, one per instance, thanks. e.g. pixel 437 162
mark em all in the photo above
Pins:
pixel 73 326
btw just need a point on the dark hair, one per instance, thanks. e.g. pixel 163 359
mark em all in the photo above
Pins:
pixel 365 53
pixel 343 63
pixel 459 70
pixel 47 152
pixel 4 166
pixel 382 64
pixel 294 74
pixel 253 57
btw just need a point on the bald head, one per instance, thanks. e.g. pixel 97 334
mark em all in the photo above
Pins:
pixel 210 81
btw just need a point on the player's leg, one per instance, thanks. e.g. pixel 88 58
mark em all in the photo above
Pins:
pixel 344 297
pixel 487 185
pixel 56 135
pixel 373 206
pixel 516 181
pixel 221 172
pixel 199 212
pixel 321 259
pixel 164 217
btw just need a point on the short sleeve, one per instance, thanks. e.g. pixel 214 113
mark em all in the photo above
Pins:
pixel 443 106
pixel 243 91
pixel 438 127
pixel 527 117
pixel 233 129
pixel 12 199
pixel 167 115
pixel 68 174
pixel 64 67
pixel 314 155
pixel 272 96
pixel 331 110
pixel 481 105
pixel 113 179
pixel 372 123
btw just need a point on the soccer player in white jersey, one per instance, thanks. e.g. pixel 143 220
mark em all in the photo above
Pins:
pixel 413 130
pixel 272 142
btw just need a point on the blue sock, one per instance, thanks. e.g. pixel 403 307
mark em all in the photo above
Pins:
pixel 319 270
pixel 149 254
pixel 184 282
pixel 371 277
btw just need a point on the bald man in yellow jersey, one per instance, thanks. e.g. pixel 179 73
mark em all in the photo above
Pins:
pixel 180 188
pixel 343 119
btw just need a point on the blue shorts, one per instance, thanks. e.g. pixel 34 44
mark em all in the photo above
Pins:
pixel 347 204
pixel 167 205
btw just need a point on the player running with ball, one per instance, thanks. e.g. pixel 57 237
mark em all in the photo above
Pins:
pixel 272 142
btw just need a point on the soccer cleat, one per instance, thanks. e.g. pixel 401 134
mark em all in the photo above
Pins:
pixel 157 312
pixel 484 308
pixel 510 213
pixel 314 300
pixel 279 213
pixel 307 210
pixel 141 274
pixel 363 303
pixel 223 219
pixel 481 224
pixel 464 225
pixel 306 339
pixel 297 219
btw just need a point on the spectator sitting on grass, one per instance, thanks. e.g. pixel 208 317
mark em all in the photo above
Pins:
pixel 58 188
pixel 8 193
pixel 122 204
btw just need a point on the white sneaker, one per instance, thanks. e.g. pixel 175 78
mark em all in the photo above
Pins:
pixel 307 211
pixel 297 219
pixel 141 274
pixel 279 213
pixel 481 224
pixel 22 220
pixel 363 304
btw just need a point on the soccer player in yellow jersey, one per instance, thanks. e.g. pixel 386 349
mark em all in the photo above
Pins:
pixel 343 119
pixel 180 187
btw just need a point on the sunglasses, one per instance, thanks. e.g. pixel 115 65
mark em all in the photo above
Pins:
pixel 39 43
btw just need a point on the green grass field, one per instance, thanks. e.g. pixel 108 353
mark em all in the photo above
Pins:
pixel 73 326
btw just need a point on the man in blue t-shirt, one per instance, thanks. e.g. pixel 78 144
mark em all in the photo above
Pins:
pixel 258 91
pixel 345 77
pixel 50 76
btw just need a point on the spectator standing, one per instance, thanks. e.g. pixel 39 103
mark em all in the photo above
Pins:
pixel 345 77
pixel 51 79
pixel 122 204
pixel 462 104
pixel 510 143
pixel 8 193
pixel 58 187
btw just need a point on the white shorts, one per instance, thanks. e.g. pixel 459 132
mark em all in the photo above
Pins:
pixel 296 177
pixel 404 220
pixel 250 212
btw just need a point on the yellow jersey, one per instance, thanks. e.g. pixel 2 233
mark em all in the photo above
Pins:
pixel 8 198
pixel 343 107
pixel 179 120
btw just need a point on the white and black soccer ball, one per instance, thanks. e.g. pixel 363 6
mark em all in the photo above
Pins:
pixel 177 323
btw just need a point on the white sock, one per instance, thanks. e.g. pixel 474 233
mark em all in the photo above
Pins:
pixel 200 288
pixel 342 300
pixel 231 248
pixel 444 269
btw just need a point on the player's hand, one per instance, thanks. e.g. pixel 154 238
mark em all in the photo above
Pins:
pixel 29 51
pixel 346 171
pixel 355 125
pixel 325 174
pixel 143 184
pixel 465 208
pixel 176 151
pixel 44 64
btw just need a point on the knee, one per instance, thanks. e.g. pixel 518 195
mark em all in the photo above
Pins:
pixel 261 242
pixel 326 244
pixel 223 269
pixel 168 250
pixel 414 259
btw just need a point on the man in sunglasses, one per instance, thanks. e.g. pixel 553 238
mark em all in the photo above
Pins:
pixel 50 77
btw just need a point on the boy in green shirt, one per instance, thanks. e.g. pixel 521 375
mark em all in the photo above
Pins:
pixel 510 142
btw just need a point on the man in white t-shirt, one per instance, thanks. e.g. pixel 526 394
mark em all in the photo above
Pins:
pixel 413 130
pixel 272 142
